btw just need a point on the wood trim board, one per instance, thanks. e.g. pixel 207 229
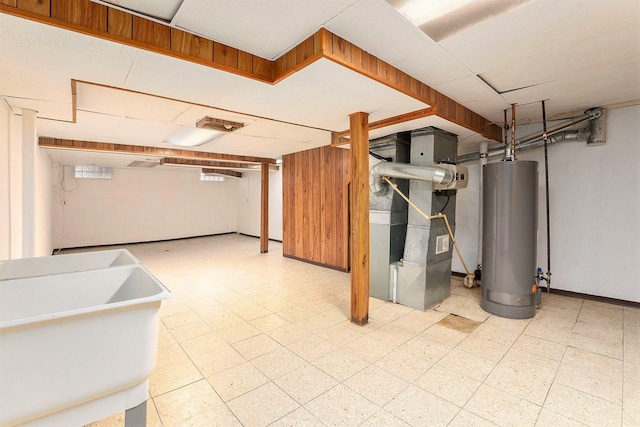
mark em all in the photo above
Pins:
pixel 86 17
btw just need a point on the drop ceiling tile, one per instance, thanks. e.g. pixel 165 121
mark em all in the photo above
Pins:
pixel 283 131
pixel 46 109
pixel 335 92
pixel 375 26
pixel 568 61
pixel 34 64
pixel 162 9
pixel 104 128
pixel 468 89
pixel 264 28
pixel 155 74
pixel 191 115
pixel 256 146
pixel 156 109
pixel 589 89
pixel 537 28
pixel 102 99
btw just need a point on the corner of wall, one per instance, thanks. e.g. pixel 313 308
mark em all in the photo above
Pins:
pixel 44 206
pixel 5 182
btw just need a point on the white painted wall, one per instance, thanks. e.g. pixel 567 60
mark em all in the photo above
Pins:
pixel 249 204
pixel 15 178
pixel 5 205
pixel 44 187
pixel 139 205
pixel 11 187
pixel 594 208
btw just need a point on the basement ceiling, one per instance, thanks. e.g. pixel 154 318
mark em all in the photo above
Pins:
pixel 576 55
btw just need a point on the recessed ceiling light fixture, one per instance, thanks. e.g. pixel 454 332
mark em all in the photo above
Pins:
pixel 420 11
pixel 192 137
pixel 218 124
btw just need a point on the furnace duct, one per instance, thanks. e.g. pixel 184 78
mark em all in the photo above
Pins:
pixel 411 254
pixel 437 175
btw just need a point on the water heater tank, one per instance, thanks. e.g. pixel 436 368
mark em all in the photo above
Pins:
pixel 509 227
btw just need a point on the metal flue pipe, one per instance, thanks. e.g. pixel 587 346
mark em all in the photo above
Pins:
pixel 556 134
pixel 591 114
pixel 407 171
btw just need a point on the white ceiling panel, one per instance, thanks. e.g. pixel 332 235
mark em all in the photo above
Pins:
pixel 375 26
pixel 173 78
pixel 44 70
pixel 587 90
pixel 50 110
pixel 283 131
pixel 161 9
pixel 102 99
pixel 124 103
pixel 569 60
pixel 264 28
pixel 113 115
pixel 584 53
pixel 338 92
pixel 538 28
pixel 470 89
pixel 467 140
pixel 320 95
pixel 108 100
pixel 105 128
pixel 152 108
pixel 78 157
pixel 254 146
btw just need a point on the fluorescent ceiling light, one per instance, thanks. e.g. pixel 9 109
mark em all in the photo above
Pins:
pixel 440 19
pixel 192 137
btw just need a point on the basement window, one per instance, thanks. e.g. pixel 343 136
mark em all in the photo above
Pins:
pixel 92 172
pixel 206 177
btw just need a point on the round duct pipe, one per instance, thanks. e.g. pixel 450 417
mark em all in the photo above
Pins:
pixel 406 171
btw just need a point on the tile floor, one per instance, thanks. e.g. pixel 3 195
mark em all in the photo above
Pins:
pixel 257 340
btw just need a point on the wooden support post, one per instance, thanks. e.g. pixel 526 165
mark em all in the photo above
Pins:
pixel 264 209
pixel 359 206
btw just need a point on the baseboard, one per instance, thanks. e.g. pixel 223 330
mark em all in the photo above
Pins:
pixel 332 267
pixel 141 242
pixel 257 237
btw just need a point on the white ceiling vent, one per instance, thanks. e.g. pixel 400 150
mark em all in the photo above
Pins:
pixel 142 164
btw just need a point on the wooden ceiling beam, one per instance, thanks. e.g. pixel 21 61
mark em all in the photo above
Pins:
pixel 116 25
pixel 67 144
pixel 337 140
pixel 340 138
pixel 171 161
pixel 223 172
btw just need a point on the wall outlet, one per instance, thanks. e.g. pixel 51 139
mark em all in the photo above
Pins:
pixel 64 202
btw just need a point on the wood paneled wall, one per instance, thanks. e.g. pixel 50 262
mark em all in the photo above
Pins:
pixel 315 212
